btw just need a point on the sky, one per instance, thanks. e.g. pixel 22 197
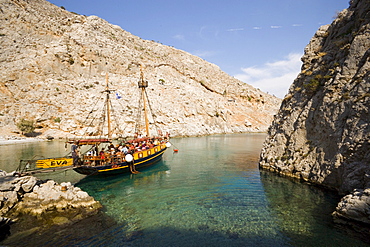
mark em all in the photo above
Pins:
pixel 259 42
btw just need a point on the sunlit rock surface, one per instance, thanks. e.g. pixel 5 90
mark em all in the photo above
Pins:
pixel 46 201
pixel 53 65
pixel 321 133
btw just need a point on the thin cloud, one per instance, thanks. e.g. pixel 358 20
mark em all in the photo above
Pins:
pixel 206 32
pixel 297 25
pixel 275 27
pixel 274 78
pixel 257 28
pixel 201 30
pixel 179 37
pixel 235 29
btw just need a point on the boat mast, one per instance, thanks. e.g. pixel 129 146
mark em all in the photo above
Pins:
pixel 144 84
pixel 108 105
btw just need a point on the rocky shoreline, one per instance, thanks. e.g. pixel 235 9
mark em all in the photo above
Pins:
pixel 25 200
pixel 16 140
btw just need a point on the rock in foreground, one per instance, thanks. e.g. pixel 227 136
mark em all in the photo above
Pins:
pixel 353 211
pixel 47 202
pixel 355 206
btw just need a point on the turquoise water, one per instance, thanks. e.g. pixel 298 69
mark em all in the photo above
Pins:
pixel 210 193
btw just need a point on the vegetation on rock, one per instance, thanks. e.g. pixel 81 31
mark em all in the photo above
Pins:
pixel 26 126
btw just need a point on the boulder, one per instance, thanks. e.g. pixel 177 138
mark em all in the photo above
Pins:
pixel 354 206
pixel 46 201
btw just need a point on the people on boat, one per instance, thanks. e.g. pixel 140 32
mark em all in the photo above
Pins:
pixel 111 145
pixel 95 149
pixel 125 149
pixel 102 154
pixel 116 154
pixel 75 153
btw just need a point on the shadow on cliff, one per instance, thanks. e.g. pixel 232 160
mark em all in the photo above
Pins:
pixel 33 134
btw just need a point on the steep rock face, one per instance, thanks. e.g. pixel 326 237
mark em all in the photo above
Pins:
pixel 321 132
pixel 53 65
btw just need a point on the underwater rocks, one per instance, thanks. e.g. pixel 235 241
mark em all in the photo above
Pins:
pixel 47 202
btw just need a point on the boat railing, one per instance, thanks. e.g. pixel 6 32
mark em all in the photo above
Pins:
pixel 107 158
pixel 92 160
pixel 148 152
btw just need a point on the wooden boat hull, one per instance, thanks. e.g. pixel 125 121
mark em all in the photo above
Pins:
pixel 122 167
pixel 54 162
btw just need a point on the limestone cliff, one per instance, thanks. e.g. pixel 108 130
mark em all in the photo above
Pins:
pixel 53 65
pixel 321 133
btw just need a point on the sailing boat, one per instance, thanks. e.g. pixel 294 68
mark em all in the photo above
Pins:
pixel 125 157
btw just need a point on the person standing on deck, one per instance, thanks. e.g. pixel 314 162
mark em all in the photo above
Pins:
pixel 74 150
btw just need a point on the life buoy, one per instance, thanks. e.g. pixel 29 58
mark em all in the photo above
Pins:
pixel 129 158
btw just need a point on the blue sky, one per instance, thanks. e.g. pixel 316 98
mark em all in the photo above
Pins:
pixel 257 41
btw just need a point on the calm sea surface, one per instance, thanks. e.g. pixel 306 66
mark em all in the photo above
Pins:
pixel 210 193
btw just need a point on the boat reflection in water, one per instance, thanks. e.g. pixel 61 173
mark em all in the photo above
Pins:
pixel 153 174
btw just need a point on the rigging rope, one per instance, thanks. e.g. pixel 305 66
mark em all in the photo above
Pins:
pixel 152 114
pixel 123 111
pixel 88 116
pixel 116 119
pixel 92 110
pixel 138 117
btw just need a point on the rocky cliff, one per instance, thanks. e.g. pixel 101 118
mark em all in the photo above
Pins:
pixel 321 132
pixel 53 65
